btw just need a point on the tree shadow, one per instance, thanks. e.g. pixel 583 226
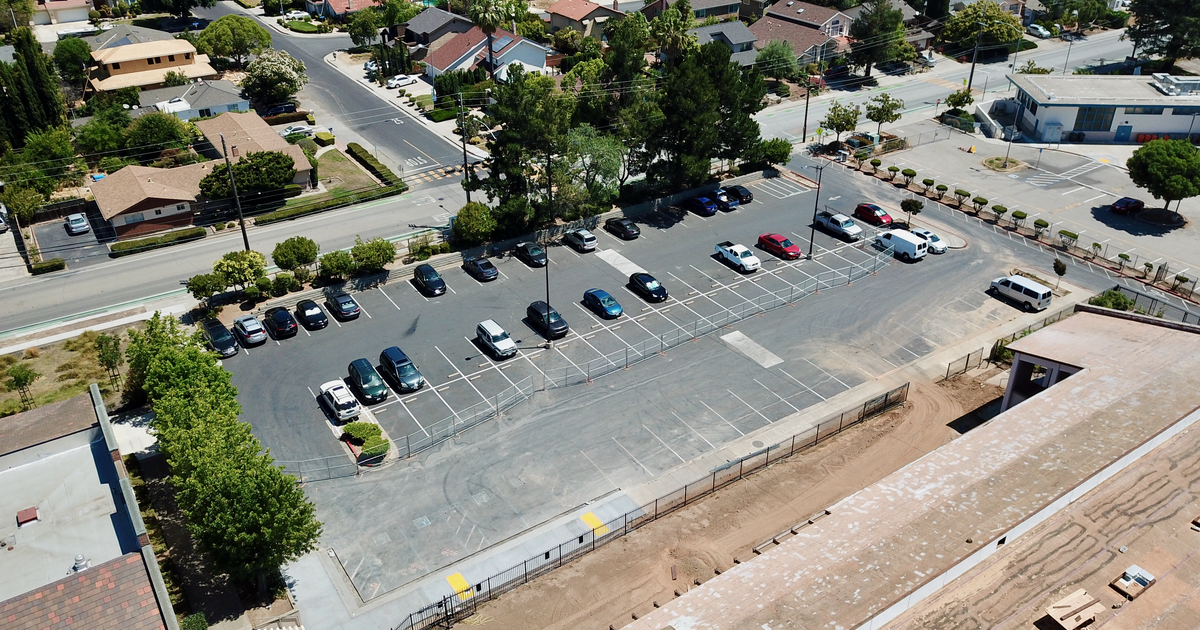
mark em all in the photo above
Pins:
pixel 1129 224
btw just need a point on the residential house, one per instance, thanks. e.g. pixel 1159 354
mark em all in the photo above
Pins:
pixel 200 99
pixel 1015 7
pixel 432 24
pixel 7 53
pixel 145 65
pixel 701 9
pixel 125 34
pixel 736 35
pixel 583 16
pixel 810 44
pixel 77 553
pixel 916 35
pixel 827 20
pixel 248 133
pixel 138 200
pixel 337 9
pixel 60 11
pixel 469 50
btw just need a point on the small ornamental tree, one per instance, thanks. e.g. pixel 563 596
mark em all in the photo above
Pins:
pixel 941 190
pixel 474 224
pixel 884 108
pixel 1060 269
pixel 1018 218
pixel 108 353
pixel 373 255
pixel 875 163
pixel 979 203
pixel 928 183
pixel 840 119
pixel 241 268
pixel 205 285
pixel 892 170
pixel 260 171
pixel 1067 238
pixel 961 195
pixel 274 76
pixel 960 99
pixel 908 175
pixel 912 206
pixel 20 377
pixel 1040 226
pixel 1096 247
pixel 999 210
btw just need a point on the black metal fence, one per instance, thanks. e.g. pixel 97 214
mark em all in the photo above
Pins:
pixel 463 604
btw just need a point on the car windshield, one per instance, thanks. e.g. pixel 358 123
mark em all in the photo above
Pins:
pixel 407 369
pixel 368 378
pixel 500 337
pixel 747 255
pixel 219 334
pixel 933 237
pixel 785 243
pixel 429 276
pixel 554 316
pixel 652 284
pixel 312 311
pixel 607 301
pixel 536 251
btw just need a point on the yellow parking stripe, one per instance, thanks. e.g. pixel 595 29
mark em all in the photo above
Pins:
pixel 460 586
pixel 597 526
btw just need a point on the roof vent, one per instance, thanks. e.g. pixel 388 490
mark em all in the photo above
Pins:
pixel 798 11
pixel 27 516
pixel 81 564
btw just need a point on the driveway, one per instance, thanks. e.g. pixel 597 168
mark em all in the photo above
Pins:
pixel 79 250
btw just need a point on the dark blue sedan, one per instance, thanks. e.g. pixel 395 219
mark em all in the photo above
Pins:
pixel 702 206
pixel 600 301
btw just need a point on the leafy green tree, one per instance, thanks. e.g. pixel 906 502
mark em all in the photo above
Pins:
pixel 336 264
pixel 670 32
pixel 1167 169
pixel 50 152
pixel 912 206
pixel 260 171
pixel 1086 12
pixel 1031 67
pixel 72 56
pixel 840 118
pixel 184 367
pixel 1169 28
pixel 297 251
pixel 999 27
pixel 98 137
pixel 628 42
pixel 20 378
pixel 489 15
pixel 21 10
pixel 148 136
pixel 392 12
pixel 474 224
pixel 773 151
pixel 777 60
pixel 175 78
pixel 1060 270
pixel 159 333
pixel 373 255
pixel 22 202
pixel 884 108
pixel 235 37
pixel 273 76
pixel 875 34
pixel 364 26
pixel 596 158
pixel 960 99
pixel 108 353
pixel 241 268
pixel 593 98
pixel 46 110
pixel 635 124
pixel 205 285
pixel 512 151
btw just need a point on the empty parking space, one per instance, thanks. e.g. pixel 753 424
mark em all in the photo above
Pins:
pixel 79 250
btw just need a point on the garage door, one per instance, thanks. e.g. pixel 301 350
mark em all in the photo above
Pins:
pixel 73 15
pixel 41 17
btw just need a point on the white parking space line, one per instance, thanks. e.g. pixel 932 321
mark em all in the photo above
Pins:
pixel 502 273
pixel 677 417
pixel 1095 198
pixel 439 395
pixel 304 329
pixel 856 366
pixel 610 481
pixel 697 293
pixel 606 327
pixel 720 285
pixel 388 298
pixel 491 363
pixel 414 418
pixel 635 460
pixel 339 324
pixel 660 441
pixel 535 366
pixel 721 417
pixel 360 307
pixel 414 288
pixel 829 374
pixel 781 398
pixel 594 349
pixel 749 406
pixel 560 353
pixel 810 390
pixel 1071 191
pixel 919 335
pixel 486 401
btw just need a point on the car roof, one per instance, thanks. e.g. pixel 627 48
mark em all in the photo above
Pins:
pixel 640 274
pixel 583 232
pixel 246 319
pixel 597 292
pixel 425 267
pixel 212 322
pixel 491 326
pixel 342 296
pixel 75 216
pixel 395 354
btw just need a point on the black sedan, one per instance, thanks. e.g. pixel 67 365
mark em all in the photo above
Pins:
pixel 343 306
pixel 648 287
pixel 741 193
pixel 428 280
pixel 623 229
pixel 219 337
pixel 310 314
pixel 280 322
pixel 481 269
pixel 531 253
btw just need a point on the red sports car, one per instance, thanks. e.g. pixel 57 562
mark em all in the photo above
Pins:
pixel 779 245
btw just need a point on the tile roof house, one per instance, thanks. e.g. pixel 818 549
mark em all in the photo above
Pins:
pixel 583 16
pixel 145 65
pixel 196 100
pixel 913 22
pixel 138 200
pixel 701 9
pixel 469 50
pixel 809 44
pixel 431 24
pixel 736 35
pixel 60 11
pixel 248 133
pixel 76 516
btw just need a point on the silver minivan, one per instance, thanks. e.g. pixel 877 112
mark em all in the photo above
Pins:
pixel 1031 295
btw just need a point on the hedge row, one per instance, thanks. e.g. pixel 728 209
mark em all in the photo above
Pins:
pixel 323 138
pixel 283 119
pixel 373 165
pixel 441 115
pixel 46 266
pixel 126 248
pixel 292 190
pixel 319 206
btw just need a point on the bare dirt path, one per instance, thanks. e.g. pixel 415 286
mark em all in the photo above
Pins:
pixel 627 576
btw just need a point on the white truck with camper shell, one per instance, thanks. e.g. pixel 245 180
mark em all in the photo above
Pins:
pixel 739 256
pixel 839 225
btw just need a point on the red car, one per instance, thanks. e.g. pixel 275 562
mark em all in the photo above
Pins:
pixel 1127 205
pixel 872 214
pixel 780 246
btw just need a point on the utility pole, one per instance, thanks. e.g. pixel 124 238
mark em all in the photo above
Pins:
pixel 462 127
pixel 816 202
pixel 236 201
pixel 974 57
pixel 1068 59
pixel 1013 133
pixel 807 93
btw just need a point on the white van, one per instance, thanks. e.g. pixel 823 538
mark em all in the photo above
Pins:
pixel 906 245
pixel 1021 290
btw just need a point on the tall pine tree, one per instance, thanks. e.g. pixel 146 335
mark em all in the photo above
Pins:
pixel 43 82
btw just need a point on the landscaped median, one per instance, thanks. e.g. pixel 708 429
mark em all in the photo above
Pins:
pixel 125 248
pixel 326 204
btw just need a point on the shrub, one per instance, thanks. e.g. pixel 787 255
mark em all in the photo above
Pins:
pixel 445 248
pixel 47 266
pixel 310 119
pixel 292 190
pixel 358 433
pixel 93 15
pixel 302 276
pixel 441 115
pixel 961 195
pixel 323 138
pixel 336 264
pixel 1068 238
pixel 376 168
pixel 941 190
pixel 1114 299
pixel 218 227
pixel 1000 211
pixel 374 449
pixel 979 202
pixel 892 170
pixel 294 138
pixel 784 90
pixel 263 284
pixel 196 621
pixel 875 164
pixel 252 293
pixel 282 284
pixel 231 224
pixel 282 119
pixel 126 248
pixel 928 183
pixel 326 204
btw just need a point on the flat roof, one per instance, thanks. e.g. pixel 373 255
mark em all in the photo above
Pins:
pixel 1099 90
pixel 877 547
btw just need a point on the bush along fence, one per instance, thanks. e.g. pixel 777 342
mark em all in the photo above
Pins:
pixel 463 604
pixel 1156 273
pixel 1001 353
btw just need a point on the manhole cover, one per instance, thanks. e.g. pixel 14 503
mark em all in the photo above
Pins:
pixel 757 444
pixel 421 522
pixel 480 497
pixel 381 539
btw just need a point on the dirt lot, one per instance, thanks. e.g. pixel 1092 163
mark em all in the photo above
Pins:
pixel 65 370
pixel 627 576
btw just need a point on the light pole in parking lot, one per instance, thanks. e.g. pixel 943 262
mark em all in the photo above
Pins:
pixel 816 202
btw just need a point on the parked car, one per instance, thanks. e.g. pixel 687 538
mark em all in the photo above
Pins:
pixel 311 315
pixel 623 229
pixel 495 339
pixel 702 206
pixel 547 320
pixel 219 338
pixel 343 306
pixel 581 240
pixel 304 129
pixel 481 269
pixel 723 200
pixel 282 108
pixel 339 401
pixel 3 226
pixel 429 280
pixel 602 303
pixel 366 381
pixel 281 323
pixel 741 193
pixel 1032 296
pixel 531 253
pixel 872 214
pixel 1127 205
pixel 779 245
pixel 371 66
pixel 396 365
pixel 904 244
pixel 400 80
pixel 77 224
pixel 839 225
pixel 935 243
pixel 648 287
pixel 738 255
pixel 1037 30
pixel 249 330
pixel 295 15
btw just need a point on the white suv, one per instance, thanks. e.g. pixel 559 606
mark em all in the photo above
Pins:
pixel 495 339
pixel 580 239
pixel 336 397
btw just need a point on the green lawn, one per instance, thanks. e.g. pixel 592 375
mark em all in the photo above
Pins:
pixel 300 26
pixel 341 177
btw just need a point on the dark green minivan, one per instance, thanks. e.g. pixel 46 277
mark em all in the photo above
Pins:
pixel 366 381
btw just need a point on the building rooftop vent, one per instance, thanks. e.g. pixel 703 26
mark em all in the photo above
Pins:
pixel 27 516
pixel 81 564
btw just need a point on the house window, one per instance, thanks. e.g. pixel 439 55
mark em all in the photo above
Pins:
pixel 150 62
pixel 1184 111
pixel 180 207
pixel 187 55
pixel 205 113
pixel 116 66
pixel 158 212
pixel 170 57
pixel 1144 111
pixel 1094 118
pixel 134 218
pixel 158 60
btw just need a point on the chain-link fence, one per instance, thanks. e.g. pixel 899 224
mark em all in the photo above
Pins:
pixel 965 364
pixel 1147 304
pixel 461 605
pixel 460 421
pixel 321 468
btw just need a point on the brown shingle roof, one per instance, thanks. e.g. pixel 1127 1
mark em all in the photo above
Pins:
pixel 135 184
pixel 802 11
pixel 247 133
pixel 802 37
pixel 577 10
pixel 115 594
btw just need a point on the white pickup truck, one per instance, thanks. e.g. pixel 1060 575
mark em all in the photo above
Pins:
pixel 739 256
pixel 839 225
